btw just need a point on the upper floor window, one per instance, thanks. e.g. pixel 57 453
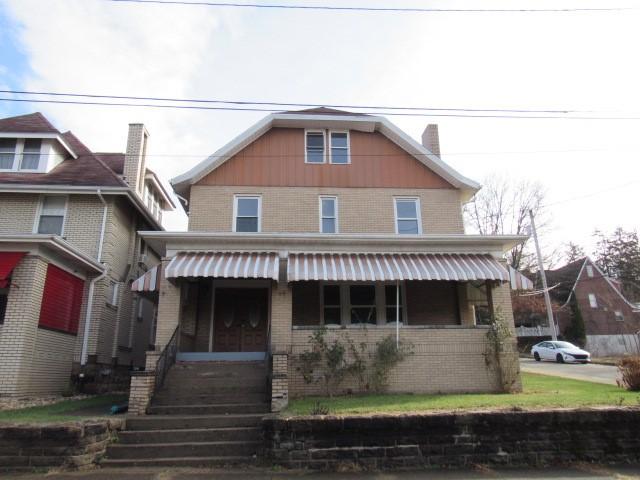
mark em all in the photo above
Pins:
pixel 20 154
pixel 593 302
pixel 7 153
pixel 589 271
pixel 619 316
pixel 339 147
pixel 31 154
pixel 328 215
pixel 246 213
pixel 408 216
pixel 112 294
pixel 314 146
pixel 52 212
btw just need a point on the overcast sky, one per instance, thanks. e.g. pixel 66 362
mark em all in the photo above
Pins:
pixel 576 61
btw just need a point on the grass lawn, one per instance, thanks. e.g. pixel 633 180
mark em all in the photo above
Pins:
pixel 540 391
pixel 67 410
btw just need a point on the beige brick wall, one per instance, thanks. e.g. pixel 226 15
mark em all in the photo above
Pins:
pixel 20 330
pixel 50 367
pixel 18 212
pixel 296 209
pixel 168 310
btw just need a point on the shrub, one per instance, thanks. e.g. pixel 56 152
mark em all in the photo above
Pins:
pixel 629 369
pixel 387 356
pixel 575 332
pixel 319 409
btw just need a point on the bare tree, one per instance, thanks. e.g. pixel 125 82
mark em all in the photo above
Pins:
pixel 502 207
pixel 573 252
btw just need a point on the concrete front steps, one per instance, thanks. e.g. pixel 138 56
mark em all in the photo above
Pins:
pixel 206 414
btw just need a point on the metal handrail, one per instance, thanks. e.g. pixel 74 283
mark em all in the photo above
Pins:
pixel 166 359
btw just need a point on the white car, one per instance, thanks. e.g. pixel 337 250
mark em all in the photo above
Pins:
pixel 561 352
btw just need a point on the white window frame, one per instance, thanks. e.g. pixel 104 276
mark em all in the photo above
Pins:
pixel 593 301
pixel 335 210
pixel 235 211
pixel 113 293
pixel 18 153
pixel 330 147
pixel 36 223
pixel 324 145
pixel 589 271
pixel 418 213
pixel 619 315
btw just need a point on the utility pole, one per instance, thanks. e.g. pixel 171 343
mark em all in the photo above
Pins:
pixel 547 299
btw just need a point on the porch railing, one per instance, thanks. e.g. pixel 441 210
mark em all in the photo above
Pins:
pixel 533 331
pixel 166 360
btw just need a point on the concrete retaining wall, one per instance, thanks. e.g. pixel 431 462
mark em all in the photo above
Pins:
pixel 456 440
pixel 613 345
pixel 54 445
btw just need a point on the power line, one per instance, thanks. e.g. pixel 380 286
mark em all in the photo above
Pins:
pixel 270 110
pixel 375 9
pixel 283 104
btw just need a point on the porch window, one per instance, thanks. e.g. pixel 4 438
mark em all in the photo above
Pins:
pixel 314 146
pixel 52 212
pixel 31 154
pixel 482 314
pixel 362 308
pixel 247 214
pixel 4 297
pixel 408 216
pixel 328 215
pixel 339 147
pixel 331 304
pixel 390 303
pixel 7 153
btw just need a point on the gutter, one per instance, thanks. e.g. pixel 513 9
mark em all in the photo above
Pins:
pixel 92 283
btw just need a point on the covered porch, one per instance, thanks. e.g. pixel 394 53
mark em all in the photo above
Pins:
pixel 217 304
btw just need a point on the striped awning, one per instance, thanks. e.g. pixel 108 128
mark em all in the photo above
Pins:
pixel 518 280
pixel 379 267
pixel 149 282
pixel 224 265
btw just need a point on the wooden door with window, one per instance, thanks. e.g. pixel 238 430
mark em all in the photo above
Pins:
pixel 240 317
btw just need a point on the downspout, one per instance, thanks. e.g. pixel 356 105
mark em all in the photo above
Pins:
pixel 92 283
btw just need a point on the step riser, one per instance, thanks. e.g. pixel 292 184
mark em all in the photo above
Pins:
pixel 163 399
pixel 184 450
pixel 208 384
pixel 171 389
pixel 160 423
pixel 179 462
pixel 208 409
pixel 183 436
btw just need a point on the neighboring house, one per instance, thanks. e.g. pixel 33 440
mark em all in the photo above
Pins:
pixel 68 250
pixel 612 323
pixel 318 218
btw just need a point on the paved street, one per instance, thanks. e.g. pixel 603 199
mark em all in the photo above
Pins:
pixel 579 472
pixel 590 372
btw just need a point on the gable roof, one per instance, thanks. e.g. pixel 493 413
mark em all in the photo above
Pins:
pixel 570 274
pixel 29 123
pixel 323 117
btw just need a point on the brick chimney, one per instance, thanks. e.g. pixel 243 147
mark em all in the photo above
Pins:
pixel 135 157
pixel 431 140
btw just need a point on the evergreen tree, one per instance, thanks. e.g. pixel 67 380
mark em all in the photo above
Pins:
pixel 575 332
pixel 618 256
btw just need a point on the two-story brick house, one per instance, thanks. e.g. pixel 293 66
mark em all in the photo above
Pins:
pixel 69 249
pixel 328 218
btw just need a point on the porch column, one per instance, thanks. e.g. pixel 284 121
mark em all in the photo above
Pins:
pixel 464 305
pixel 20 329
pixel 499 296
pixel 168 309
pixel 281 324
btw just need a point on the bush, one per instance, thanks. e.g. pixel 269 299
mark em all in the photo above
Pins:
pixel 575 332
pixel 629 369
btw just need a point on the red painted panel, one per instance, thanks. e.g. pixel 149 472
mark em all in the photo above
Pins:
pixel 61 300
pixel 8 261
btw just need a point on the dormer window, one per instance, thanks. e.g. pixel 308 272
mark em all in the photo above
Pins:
pixel 7 153
pixel 20 154
pixel 31 154
pixel 314 146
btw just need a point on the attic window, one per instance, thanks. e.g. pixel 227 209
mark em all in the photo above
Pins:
pixel 7 153
pixel 593 302
pixel 314 146
pixel 31 154
pixel 589 271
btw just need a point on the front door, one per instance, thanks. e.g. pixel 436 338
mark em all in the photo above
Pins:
pixel 240 320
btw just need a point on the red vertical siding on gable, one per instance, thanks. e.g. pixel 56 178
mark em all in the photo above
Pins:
pixel 61 301
pixel 277 160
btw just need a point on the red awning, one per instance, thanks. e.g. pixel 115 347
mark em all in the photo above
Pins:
pixel 8 261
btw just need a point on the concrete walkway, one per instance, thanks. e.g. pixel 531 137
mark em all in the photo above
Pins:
pixel 589 372
pixel 579 472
